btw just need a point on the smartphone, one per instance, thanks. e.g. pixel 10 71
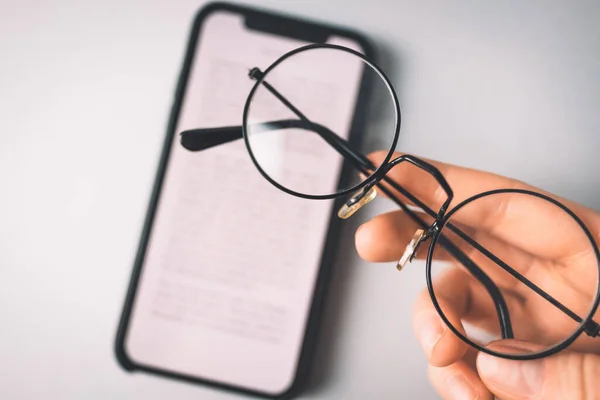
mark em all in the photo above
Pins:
pixel 231 273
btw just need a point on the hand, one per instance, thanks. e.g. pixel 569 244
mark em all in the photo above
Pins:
pixel 456 370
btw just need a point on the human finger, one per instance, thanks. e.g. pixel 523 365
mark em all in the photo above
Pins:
pixel 565 375
pixel 460 298
pixel 458 381
pixel 384 239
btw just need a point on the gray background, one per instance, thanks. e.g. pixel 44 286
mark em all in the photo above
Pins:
pixel 85 89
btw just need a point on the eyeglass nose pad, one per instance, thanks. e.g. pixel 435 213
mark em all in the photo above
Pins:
pixel 357 200
pixel 411 249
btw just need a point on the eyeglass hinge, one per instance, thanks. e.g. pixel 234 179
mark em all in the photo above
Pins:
pixel 592 329
pixel 255 73
pixel 434 228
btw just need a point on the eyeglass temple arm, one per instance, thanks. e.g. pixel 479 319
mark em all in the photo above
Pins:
pixel 364 165
pixel 205 138
pixel 201 139
pixel 195 142
pixel 591 327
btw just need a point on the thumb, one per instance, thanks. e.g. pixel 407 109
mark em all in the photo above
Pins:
pixel 566 375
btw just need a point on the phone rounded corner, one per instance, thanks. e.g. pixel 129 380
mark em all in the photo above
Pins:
pixel 121 355
pixel 299 382
pixel 211 7
pixel 292 391
pixel 208 8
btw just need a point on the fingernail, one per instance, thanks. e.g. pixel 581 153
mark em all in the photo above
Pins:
pixel 429 330
pixel 459 388
pixel 522 378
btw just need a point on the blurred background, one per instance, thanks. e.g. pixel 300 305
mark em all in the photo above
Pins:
pixel 85 93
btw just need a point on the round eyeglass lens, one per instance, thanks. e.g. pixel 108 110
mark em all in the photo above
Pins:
pixel 314 115
pixel 532 238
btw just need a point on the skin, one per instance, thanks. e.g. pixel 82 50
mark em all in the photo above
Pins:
pixel 510 227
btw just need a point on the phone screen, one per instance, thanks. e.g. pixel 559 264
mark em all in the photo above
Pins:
pixel 231 262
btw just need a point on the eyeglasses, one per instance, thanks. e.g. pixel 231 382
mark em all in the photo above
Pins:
pixel 296 131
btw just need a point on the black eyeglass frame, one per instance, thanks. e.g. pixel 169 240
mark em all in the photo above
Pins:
pixel 210 137
pixel 585 324
pixel 259 76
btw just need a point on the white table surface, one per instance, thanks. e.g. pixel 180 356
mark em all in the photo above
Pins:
pixel 85 90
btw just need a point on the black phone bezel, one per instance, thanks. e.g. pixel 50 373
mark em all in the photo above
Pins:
pixel 293 26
